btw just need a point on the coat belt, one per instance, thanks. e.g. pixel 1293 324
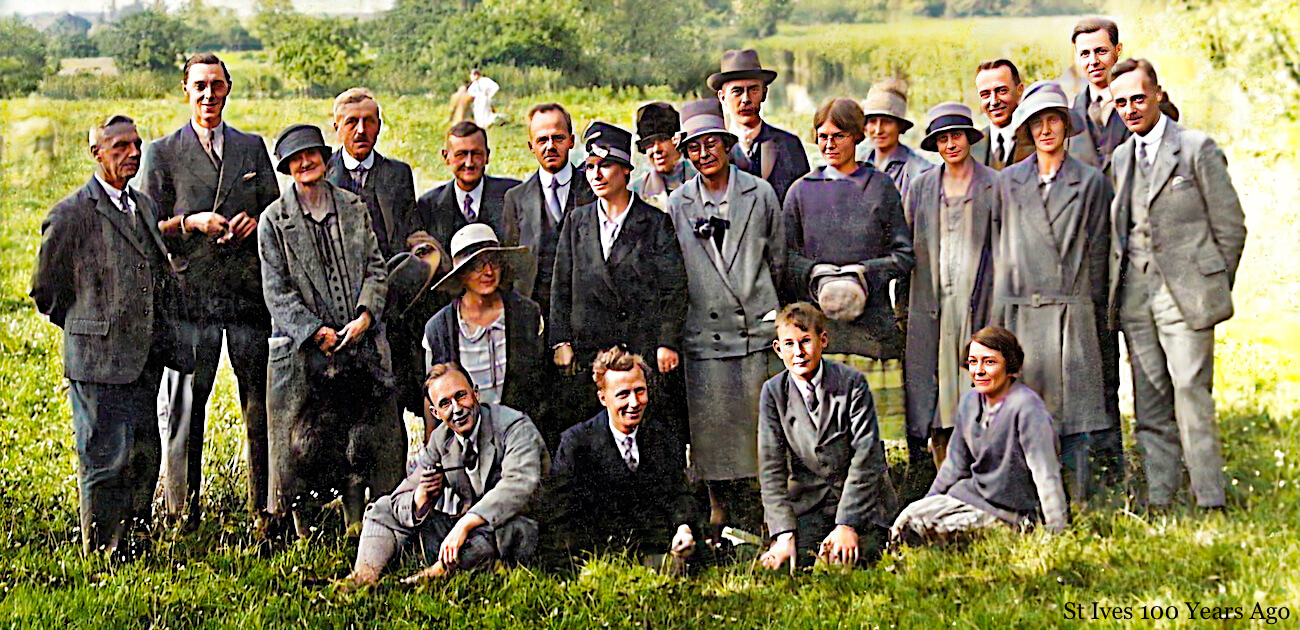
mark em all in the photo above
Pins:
pixel 1039 299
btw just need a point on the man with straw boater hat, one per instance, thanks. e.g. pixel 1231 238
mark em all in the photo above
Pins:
pixel 886 111
pixel 762 150
pixel 656 124
pixel 1050 280
pixel 952 208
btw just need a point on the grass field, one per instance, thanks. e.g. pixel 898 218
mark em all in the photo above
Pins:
pixel 221 577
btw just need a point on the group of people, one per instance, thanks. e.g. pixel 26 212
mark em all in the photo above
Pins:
pixel 588 345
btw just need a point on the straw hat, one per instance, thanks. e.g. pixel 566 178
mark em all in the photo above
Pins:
pixel 472 241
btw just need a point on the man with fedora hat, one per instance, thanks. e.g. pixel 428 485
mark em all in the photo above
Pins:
pixel 492 332
pixel 773 154
pixel 998 85
pixel 333 422
pixel 731 231
pixel 619 276
pixel 952 208
pixel 211 182
pixel 656 124
pixel 886 111
pixel 1050 279
pixel 472 196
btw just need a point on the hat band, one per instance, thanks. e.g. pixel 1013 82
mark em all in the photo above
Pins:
pixel 470 250
pixel 607 152
pixel 950 120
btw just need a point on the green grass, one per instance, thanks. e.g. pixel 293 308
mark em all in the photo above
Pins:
pixel 220 577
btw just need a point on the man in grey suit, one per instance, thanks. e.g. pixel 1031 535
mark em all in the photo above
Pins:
pixel 1177 236
pixel 462 506
pixel 386 185
pixel 826 488
pixel 472 196
pixel 535 210
pixel 999 87
pixel 102 276
pixel 214 180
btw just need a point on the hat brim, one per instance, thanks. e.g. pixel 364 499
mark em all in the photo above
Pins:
pixel 397 265
pixel 1072 118
pixel 727 136
pixel 906 124
pixel 718 79
pixel 931 142
pixel 643 144
pixel 513 259
pixel 283 165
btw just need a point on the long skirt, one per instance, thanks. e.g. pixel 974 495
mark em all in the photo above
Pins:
pixel 722 400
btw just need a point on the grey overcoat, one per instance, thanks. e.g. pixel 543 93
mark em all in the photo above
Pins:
pixel 1050 282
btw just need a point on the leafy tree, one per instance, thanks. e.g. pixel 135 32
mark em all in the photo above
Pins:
pixel 669 47
pixel 324 54
pixel 758 18
pixel 410 27
pixel 68 36
pixel 148 40
pixel 22 57
pixel 216 27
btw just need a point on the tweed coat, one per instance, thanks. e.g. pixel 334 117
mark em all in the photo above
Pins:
pixel 440 216
pixel 291 276
pixel 389 195
pixel 1049 286
pixel 983 153
pixel 1198 230
pixel 920 371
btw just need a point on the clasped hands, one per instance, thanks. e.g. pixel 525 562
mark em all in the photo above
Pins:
pixel 331 341
pixel 217 227
pixel 840 547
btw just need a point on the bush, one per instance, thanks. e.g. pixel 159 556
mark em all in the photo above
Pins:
pixel 23 60
pixel 323 55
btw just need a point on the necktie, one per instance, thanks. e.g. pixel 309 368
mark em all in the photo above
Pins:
pixel 553 201
pixel 358 179
pixel 470 457
pixel 1094 111
pixel 1002 149
pixel 628 455
pixel 125 200
pixel 470 215
pixel 810 398
pixel 1143 160
pixel 212 149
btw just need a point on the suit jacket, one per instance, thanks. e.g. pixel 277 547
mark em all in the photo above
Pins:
pixel 438 214
pixel 983 152
pixel 834 465
pixel 514 459
pixel 597 497
pixel 1096 145
pixel 731 294
pixel 523 223
pixel 389 194
pixel 637 297
pixel 1198 230
pixel 222 282
pixel 92 271
pixel 527 359
pixel 775 155
pixel 920 368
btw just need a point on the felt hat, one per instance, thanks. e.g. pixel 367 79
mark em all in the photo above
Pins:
pixel 700 118
pixel 607 142
pixel 472 241
pixel 888 98
pixel 298 138
pixel 410 277
pixel 740 64
pixel 841 291
pixel 1042 96
pixel 949 116
pixel 655 121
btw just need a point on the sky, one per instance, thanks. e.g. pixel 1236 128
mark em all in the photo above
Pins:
pixel 8 7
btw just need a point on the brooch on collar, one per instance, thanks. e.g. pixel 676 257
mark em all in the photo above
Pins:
pixel 706 227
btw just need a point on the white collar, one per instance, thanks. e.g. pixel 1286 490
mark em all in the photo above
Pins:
pixel 114 194
pixel 352 163
pixel 1156 134
pixel 602 207
pixel 706 196
pixel 1093 93
pixel 815 382
pixel 473 434
pixel 619 436
pixel 565 176
pixel 476 194
pixel 1007 133
pixel 202 132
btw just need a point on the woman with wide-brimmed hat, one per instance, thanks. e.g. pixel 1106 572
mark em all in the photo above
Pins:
pixel 334 426
pixel 1051 276
pixel 489 330
pixel 952 208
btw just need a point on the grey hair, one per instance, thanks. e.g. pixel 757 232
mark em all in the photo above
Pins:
pixel 97 131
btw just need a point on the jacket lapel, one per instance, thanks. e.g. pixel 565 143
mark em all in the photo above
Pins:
pixel 740 205
pixel 1064 190
pixel 984 192
pixel 767 153
pixel 800 430
pixel 299 238
pixel 930 193
pixel 380 191
pixel 693 208
pixel 119 219
pixel 232 167
pixel 195 160
pixel 591 256
pixel 1033 210
pixel 487 448
pixel 832 400
pixel 1166 160
pixel 1120 213
pixel 634 228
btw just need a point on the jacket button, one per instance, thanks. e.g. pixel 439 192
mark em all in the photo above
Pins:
pixel 713 315
pixel 740 312
pixel 140 266
pixel 744 333
pixel 144 289
pixel 717 337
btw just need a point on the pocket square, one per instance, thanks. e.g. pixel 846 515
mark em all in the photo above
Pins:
pixel 250 175
pixel 1178 180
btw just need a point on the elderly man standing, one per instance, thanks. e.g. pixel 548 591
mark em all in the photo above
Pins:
pixel 386 185
pixel 656 124
pixel 535 210
pixel 223 175
pixel 762 150
pixel 102 276
pixel 731 230
pixel 1177 237
pixel 472 196
pixel 463 505
pixel 998 85
pixel 886 111
pixel 1050 277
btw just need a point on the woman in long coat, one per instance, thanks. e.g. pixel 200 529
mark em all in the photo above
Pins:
pixel 1050 278
pixel 332 416
pixel 952 208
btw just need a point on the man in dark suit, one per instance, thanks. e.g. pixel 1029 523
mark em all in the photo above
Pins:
pixel 825 482
pixel 775 155
pixel 1096 49
pixel 1176 239
pixel 535 210
pixel 102 276
pixel 386 185
pixel 619 275
pixel 999 87
pixel 213 170
pixel 619 479
pixel 471 196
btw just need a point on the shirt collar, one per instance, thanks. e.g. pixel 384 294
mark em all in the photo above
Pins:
pixel 603 209
pixel 351 163
pixel 476 194
pixel 1007 133
pixel 706 196
pixel 202 132
pixel 473 434
pixel 564 176
pixel 1156 134
pixel 1093 93
pixel 814 382
pixel 899 156
pixel 114 194
pixel 619 436
pixel 474 335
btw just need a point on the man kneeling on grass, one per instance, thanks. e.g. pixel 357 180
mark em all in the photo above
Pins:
pixel 461 507
pixel 1003 461
pixel 825 483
